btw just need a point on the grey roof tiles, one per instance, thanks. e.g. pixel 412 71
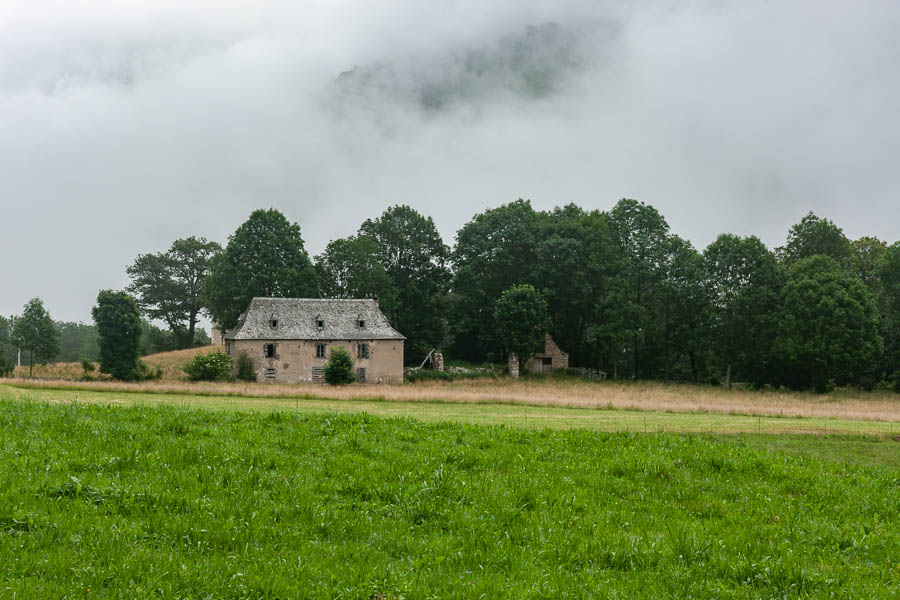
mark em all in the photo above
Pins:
pixel 299 319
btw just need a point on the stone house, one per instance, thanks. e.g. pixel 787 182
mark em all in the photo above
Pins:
pixel 289 339
pixel 550 359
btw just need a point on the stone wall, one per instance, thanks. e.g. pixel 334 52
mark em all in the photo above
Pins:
pixel 294 359
pixel 558 358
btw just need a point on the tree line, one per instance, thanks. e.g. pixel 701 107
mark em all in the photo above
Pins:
pixel 617 289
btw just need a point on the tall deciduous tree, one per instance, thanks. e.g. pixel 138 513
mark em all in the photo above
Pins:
pixel 415 259
pixel 264 257
pixel 576 259
pixel 495 250
pixel 36 334
pixel 828 330
pixel 521 320
pixel 815 235
pixel 118 322
pixel 744 280
pixel 351 268
pixel 168 285
pixel 888 273
pixel 642 235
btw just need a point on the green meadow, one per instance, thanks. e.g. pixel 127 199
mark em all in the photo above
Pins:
pixel 134 501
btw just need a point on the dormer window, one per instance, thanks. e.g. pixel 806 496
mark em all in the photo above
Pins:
pixel 320 323
pixel 273 323
pixel 361 323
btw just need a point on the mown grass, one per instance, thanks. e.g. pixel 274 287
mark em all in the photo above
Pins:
pixel 122 502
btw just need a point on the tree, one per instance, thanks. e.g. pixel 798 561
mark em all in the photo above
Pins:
pixel 118 322
pixel 521 319
pixel 351 268
pixel 7 350
pixel 77 341
pixel 495 250
pixel 814 235
pixel 415 259
pixel 168 285
pixel 265 257
pixel 828 327
pixel 744 281
pixel 576 260
pixel 867 251
pixel 888 273
pixel 642 236
pixel 35 333
pixel 339 367
pixel 685 307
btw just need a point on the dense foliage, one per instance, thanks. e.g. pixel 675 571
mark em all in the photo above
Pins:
pixel 168 285
pixel 520 316
pixel 339 367
pixel 265 257
pixel 36 334
pixel 118 322
pixel 214 366
pixel 105 501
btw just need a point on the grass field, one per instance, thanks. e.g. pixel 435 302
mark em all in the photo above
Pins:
pixel 139 501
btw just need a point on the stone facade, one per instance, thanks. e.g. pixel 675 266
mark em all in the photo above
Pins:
pixel 296 361
pixel 289 339
pixel 551 359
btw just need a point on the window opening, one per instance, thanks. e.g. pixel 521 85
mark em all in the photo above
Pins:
pixel 320 350
pixel 362 351
pixel 362 324
pixel 320 323
pixel 269 350
pixel 361 375
pixel 273 323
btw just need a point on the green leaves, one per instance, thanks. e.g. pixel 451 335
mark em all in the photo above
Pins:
pixel 35 333
pixel 264 257
pixel 828 330
pixel 521 320
pixel 214 366
pixel 339 367
pixel 168 286
pixel 118 322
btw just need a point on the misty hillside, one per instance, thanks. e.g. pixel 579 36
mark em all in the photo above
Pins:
pixel 531 64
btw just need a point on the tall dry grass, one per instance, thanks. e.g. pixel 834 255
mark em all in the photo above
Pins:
pixel 171 363
pixel 656 396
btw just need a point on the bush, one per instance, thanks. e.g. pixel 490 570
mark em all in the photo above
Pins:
pixel 246 370
pixel 149 373
pixel 897 381
pixel 215 366
pixel 339 367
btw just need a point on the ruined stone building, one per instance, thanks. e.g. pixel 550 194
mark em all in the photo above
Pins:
pixel 289 339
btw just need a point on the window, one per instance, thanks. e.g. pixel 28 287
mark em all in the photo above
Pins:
pixel 361 375
pixel 361 323
pixel 273 323
pixel 362 351
pixel 320 350
pixel 269 350
pixel 320 323
pixel 318 375
pixel 227 347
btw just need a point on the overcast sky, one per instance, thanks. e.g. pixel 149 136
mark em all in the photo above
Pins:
pixel 126 125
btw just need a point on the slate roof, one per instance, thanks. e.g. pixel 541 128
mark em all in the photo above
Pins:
pixel 297 320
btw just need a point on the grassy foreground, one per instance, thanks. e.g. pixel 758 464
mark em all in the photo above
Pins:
pixel 122 502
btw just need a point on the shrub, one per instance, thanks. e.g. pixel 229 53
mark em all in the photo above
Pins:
pixel 897 381
pixel 246 370
pixel 339 367
pixel 149 373
pixel 215 366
